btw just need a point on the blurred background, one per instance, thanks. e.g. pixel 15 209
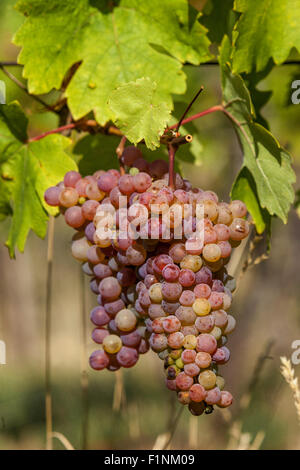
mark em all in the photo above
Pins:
pixel 266 305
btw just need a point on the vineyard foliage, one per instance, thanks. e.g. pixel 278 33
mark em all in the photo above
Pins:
pixel 121 64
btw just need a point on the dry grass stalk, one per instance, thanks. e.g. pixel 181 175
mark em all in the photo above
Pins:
pixel 288 373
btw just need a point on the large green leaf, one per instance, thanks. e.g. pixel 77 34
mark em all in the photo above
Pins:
pixel 26 171
pixel 219 18
pixel 268 164
pixel 134 40
pixel 97 152
pixel 139 113
pixel 266 29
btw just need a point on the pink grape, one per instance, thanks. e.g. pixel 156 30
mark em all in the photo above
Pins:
pixel 223 232
pixel 205 324
pixel 197 393
pixel 225 248
pixel 112 308
pixel 170 307
pixel 213 396
pixel 186 315
pixel 99 334
pixel 130 155
pixel 132 339
pixel 51 196
pixel 126 185
pixel 141 164
pixel 107 181
pixel 217 286
pixel 171 272
pixel 160 262
pixel 191 369
pixel 158 168
pixel 99 316
pixel 184 381
pixel 188 356
pixel 187 277
pixel 71 178
pixel 202 291
pixel 158 342
pixel 220 318
pixel 157 325
pixel 175 340
pixel 206 343
pixel 187 298
pixel 102 271
pixel 99 360
pixel 238 209
pixel 171 291
pixel 80 187
pixel 239 229
pixel 142 181
pixel 177 252
pixel 74 217
pixel 109 288
pixel 127 357
pixel 216 300
pixel 89 209
pixel 225 400
pixel 136 255
pixel 171 324
pixel 204 276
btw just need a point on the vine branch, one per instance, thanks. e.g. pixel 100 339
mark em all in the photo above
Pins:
pixel 24 88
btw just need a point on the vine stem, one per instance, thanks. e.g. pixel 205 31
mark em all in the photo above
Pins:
pixel 119 152
pixel 213 109
pixel 48 387
pixel 23 87
pixel 84 374
pixel 172 150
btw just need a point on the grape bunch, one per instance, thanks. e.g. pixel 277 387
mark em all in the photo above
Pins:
pixel 157 258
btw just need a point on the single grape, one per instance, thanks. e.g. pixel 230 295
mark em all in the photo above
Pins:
pixel 192 262
pixel 188 356
pixel 186 315
pixel 127 357
pixel 158 342
pixel 204 276
pixel 225 400
pixel 184 381
pixel 132 339
pixel 220 382
pixel 102 271
pixel 99 316
pixel 74 217
pixel 130 155
pixel 158 168
pixel 216 300
pixel 203 360
pixel 170 272
pixel 201 307
pixel 155 311
pixel 157 325
pixel 238 209
pixel 206 343
pixel 141 164
pixel 239 229
pixel 141 182
pixel 230 325
pixel 183 397
pixel 126 185
pixel 89 209
pixel 202 291
pixel 80 187
pixel 51 196
pixel 99 360
pixel 109 288
pixel 177 252
pixel 112 308
pixel 71 178
pixel 175 340
pixel 171 291
pixel 112 344
pixel 191 369
pixel 171 384
pixel 155 293
pixel 125 320
pixel 207 379
pixel 224 214
pixel 107 181
pixel 136 255
pixel 80 249
pixel 212 252
pixel 171 324
pixel 197 393
pixel 213 396
pixel 186 277
pixel 197 409
pixel 216 332
pixel 190 342
pixel 222 355
pixel 94 286
pixel 221 318
pixel 187 298
pixel 126 277
pixel 205 324
pixel 99 334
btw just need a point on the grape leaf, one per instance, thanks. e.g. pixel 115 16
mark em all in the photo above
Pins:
pixel 139 113
pixel 51 40
pixel 244 189
pixel 132 41
pixel 265 29
pixel 268 163
pixel 96 153
pixel 219 18
pixel 26 170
